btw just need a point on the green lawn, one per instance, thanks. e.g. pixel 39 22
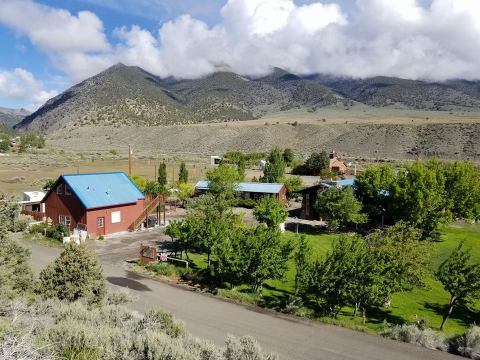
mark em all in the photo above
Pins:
pixel 426 304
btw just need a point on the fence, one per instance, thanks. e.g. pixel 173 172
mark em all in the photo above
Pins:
pixel 37 215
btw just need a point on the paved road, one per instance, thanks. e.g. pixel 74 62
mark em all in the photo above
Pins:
pixel 213 319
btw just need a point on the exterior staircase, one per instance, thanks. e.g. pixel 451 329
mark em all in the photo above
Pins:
pixel 160 199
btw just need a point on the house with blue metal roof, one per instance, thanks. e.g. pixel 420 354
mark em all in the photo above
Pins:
pixel 100 203
pixel 252 190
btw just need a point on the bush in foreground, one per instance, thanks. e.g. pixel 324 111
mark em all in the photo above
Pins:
pixel 468 344
pixel 55 329
pixel 414 334
pixel 76 274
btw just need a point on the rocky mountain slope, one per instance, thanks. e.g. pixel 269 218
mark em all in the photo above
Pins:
pixel 10 117
pixel 411 94
pixel 125 95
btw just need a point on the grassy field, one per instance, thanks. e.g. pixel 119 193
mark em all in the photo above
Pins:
pixel 426 304
pixel 28 171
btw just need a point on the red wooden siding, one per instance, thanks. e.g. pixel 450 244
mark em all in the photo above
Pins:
pixel 62 204
pixel 69 205
pixel 128 214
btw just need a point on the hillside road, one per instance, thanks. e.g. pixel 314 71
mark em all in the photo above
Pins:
pixel 213 319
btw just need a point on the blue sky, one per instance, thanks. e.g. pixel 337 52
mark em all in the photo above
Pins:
pixel 49 45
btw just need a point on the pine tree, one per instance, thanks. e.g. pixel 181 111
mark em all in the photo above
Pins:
pixel 76 274
pixel 162 175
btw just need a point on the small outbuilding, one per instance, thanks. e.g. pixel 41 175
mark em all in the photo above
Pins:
pixel 336 165
pixel 32 204
pixel 310 194
pixel 32 201
pixel 253 190
pixel 98 203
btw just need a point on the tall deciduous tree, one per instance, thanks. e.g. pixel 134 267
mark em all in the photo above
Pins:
pixel 463 189
pixel 183 173
pixel 223 181
pixel 271 212
pixel 265 256
pixel 366 272
pixel 214 220
pixel 274 168
pixel 302 259
pixel 418 196
pixel 185 191
pixel 293 184
pixel 461 278
pixel 75 274
pixel 403 255
pixel 373 189
pixel 335 277
pixel 339 207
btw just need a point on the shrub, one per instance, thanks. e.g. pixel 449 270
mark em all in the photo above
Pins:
pixel 163 269
pixel 109 332
pixel 237 349
pixel 31 140
pixel 16 277
pixel 76 274
pixel 22 222
pixel 468 344
pixel 160 320
pixel 412 334
pixel 120 297
pixel 57 232
pixel 38 228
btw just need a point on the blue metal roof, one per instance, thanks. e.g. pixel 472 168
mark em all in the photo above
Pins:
pixel 254 187
pixel 103 189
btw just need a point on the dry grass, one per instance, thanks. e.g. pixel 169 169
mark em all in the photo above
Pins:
pixel 361 133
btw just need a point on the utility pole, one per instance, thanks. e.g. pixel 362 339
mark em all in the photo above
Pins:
pixel 129 161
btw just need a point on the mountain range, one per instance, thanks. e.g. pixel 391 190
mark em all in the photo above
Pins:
pixel 10 117
pixel 129 95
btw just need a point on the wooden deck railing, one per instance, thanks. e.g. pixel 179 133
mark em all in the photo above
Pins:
pixel 37 215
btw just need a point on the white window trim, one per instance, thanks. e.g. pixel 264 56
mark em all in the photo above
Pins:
pixel 59 189
pixel 65 220
pixel 103 222
pixel 116 217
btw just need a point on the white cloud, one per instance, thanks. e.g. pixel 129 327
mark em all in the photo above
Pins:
pixel 405 38
pixel 54 30
pixel 19 84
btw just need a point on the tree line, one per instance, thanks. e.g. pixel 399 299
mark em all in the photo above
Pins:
pixel 236 253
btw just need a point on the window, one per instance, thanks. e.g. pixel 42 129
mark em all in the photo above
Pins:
pixel 60 189
pixel 100 222
pixel 116 217
pixel 65 220
pixel 67 190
